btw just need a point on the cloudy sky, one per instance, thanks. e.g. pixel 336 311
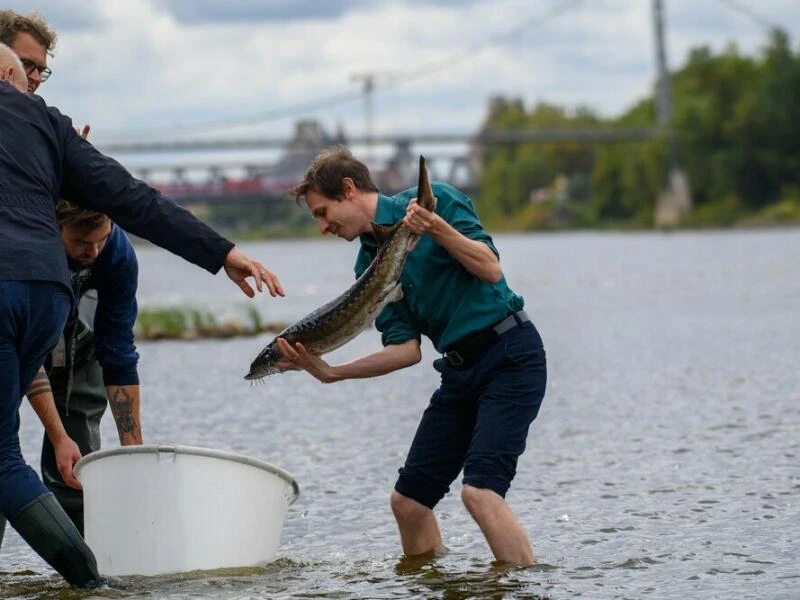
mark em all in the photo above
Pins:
pixel 161 68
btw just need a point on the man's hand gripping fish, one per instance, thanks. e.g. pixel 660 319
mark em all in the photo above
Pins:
pixel 342 319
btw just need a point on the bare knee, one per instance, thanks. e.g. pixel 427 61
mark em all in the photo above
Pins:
pixel 470 496
pixel 478 500
pixel 406 509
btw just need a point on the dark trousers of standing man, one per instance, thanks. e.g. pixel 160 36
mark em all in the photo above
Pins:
pixel 32 316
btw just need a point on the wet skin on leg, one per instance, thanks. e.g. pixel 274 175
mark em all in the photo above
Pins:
pixel 419 530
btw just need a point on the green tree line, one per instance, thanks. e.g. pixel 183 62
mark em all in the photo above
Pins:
pixel 735 133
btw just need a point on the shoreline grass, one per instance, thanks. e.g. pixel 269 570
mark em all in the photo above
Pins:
pixel 188 323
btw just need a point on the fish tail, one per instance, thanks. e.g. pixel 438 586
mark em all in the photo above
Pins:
pixel 425 195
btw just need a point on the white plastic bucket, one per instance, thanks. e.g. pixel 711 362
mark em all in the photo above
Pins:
pixel 150 510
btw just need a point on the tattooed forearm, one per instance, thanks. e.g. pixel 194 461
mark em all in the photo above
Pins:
pixel 40 385
pixel 122 408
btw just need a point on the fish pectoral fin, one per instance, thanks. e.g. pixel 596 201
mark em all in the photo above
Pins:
pixel 393 294
pixel 396 293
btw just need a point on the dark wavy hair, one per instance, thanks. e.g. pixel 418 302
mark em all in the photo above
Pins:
pixel 72 215
pixel 327 172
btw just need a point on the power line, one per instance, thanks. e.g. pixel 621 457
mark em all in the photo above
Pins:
pixel 273 114
pixel 425 70
pixel 434 67
pixel 749 12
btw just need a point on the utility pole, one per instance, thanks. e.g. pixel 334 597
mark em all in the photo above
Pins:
pixel 664 86
pixel 368 88
pixel 675 202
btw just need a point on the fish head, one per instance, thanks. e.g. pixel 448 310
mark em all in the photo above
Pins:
pixel 264 363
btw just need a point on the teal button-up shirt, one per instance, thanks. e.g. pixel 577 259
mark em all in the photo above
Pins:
pixel 441 299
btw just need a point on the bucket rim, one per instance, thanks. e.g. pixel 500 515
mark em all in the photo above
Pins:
pixel 194 451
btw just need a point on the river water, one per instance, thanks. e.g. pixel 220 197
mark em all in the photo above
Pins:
pixel 665 462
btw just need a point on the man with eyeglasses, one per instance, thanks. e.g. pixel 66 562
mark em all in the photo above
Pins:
pixel 42 158
pixel 32 40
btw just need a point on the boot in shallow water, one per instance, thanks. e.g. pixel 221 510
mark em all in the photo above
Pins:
pixel 54 537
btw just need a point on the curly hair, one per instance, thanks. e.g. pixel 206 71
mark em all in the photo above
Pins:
pixel 13 23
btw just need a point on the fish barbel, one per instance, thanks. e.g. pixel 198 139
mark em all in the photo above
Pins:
pixel 342 319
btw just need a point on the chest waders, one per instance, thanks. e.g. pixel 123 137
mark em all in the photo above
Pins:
pixel 81 401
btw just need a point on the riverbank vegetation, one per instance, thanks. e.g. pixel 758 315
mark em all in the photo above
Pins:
pixel 186 323
pixel 735 134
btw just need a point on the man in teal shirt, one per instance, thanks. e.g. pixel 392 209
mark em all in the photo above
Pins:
pixel 493 367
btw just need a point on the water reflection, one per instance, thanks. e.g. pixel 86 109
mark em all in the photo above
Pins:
pixel 427 576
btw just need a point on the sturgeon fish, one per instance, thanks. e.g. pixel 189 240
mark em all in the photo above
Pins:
pixel 342 319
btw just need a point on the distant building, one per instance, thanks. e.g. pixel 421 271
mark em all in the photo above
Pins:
pixel 309 139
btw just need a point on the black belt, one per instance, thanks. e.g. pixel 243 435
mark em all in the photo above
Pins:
pixel 465 351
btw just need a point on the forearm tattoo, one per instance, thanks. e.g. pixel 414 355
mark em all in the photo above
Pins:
pixel 122 409
pixel 40 386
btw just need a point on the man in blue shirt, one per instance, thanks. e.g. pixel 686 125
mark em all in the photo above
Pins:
pixel 493 370
pixel 95 360
pixel 42 159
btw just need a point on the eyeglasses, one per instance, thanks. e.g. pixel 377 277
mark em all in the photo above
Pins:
pixel 30 67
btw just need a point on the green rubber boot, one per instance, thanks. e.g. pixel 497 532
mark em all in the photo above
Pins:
pixel 49 531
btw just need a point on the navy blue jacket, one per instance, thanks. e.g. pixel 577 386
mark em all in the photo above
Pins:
pixel 42 159
pixel 114 275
